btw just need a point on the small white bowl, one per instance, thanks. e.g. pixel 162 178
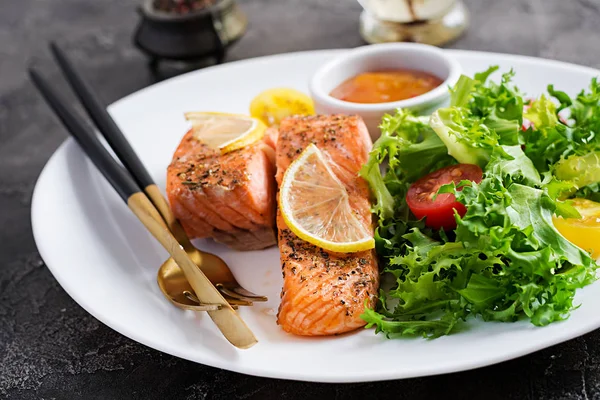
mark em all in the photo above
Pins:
pixel 380 57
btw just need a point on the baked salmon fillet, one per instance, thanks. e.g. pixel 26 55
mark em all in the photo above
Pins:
pixel 229 197
pixel 325 293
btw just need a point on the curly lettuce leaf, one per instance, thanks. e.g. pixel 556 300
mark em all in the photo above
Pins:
pixel 510 162
pixel 482 115
pixel 461 93
pixel 411 149
pixel 542 113
pixel 584 110
pixel 484 98
pixel 533 209
pixel 580 170
pixel 555 138
pixel 590 192
pixel 427 329
pixel 467 139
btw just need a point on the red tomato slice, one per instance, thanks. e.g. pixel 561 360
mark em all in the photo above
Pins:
pixel 439 213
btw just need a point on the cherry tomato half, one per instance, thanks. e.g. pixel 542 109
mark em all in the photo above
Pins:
pixel 439 213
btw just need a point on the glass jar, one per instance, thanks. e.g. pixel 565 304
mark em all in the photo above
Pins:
pixel 434 22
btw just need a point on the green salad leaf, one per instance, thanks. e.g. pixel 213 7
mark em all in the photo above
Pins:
pixel 481 117
pixel 467 139
pixel 581 170
pixel 510 162
pixel 487 99
pixel 554 137
pixel 505 260
pixel 584 109
pixel 412 150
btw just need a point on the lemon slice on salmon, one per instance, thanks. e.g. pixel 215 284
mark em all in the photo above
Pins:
pixel 315 205
pixel 225 132
pixel 273 105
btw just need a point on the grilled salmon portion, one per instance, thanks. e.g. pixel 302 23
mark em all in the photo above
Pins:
pixel 324 293
pixel 229 197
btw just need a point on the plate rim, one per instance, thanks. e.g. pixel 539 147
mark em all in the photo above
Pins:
pixel 132 96
pixel 123 329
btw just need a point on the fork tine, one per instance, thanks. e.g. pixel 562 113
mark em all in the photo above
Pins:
pixel 191 296
pixel 202 307
pixel 233 302
pixel 240 293
pixel 238 302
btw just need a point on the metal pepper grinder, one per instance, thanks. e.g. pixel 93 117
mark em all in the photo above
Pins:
pixel 434 22
pixel 188 33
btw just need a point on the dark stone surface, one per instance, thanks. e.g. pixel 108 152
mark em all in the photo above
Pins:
pixel 51 348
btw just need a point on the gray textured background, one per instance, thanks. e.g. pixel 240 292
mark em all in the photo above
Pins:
pixel 51 348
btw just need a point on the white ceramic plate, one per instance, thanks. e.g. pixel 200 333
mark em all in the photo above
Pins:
pixel 104 259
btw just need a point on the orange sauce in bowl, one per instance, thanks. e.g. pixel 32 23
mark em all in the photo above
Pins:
pixel 386 86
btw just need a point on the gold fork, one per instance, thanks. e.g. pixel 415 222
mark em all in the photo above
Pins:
pixel 215 269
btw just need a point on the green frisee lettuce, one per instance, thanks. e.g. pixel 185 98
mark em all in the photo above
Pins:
pixel 505 260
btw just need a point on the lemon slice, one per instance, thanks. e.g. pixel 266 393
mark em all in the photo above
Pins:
pixel 225 132
pixel 314 204
pixel 273 105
